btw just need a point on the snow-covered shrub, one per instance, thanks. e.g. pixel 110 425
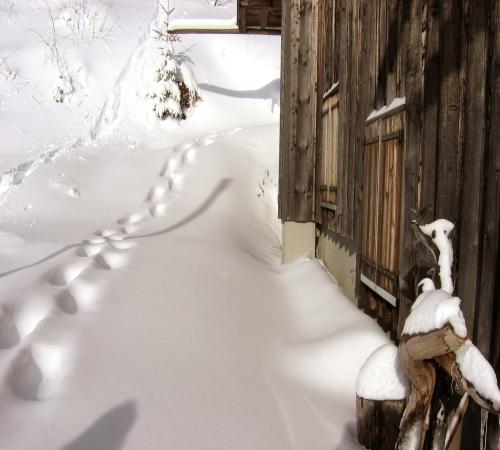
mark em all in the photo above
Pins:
pixel 7 72
pixel 62 89
pixel 86 18
pixel 57 58
pixel 6 8
pixel 173 89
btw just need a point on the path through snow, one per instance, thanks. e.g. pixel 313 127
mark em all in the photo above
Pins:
pixel 143 305
pixel 171 329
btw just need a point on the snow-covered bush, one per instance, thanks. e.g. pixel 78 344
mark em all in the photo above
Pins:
pixel 7 72
pixel 57 58
pixel 6 8
pixel 86 18
pixel 173 89
pixel 62 89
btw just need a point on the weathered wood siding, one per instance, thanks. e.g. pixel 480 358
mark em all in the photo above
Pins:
pixel 298 110
pixel 444 58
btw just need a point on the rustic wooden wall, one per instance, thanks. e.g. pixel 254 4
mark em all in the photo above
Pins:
pixel 298 110
pixel 444 58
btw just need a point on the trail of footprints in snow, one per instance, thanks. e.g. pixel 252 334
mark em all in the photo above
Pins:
pixel 38 369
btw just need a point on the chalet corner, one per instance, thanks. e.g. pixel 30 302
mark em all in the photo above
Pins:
pixel 388 116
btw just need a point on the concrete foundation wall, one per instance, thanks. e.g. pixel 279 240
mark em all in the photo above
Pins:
pixel 340 260
pixel 298 238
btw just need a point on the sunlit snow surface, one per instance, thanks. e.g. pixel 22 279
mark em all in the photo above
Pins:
pixel 142 301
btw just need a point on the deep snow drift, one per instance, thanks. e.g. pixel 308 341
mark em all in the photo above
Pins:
pixel 142 301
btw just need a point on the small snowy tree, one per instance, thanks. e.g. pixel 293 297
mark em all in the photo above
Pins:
pixel 170 94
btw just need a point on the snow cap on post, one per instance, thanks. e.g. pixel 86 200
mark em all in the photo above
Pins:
pixel 381 376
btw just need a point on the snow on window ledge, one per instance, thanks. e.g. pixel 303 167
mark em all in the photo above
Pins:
pixel 395 106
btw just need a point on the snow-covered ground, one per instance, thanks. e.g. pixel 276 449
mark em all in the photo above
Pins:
pixel 142 301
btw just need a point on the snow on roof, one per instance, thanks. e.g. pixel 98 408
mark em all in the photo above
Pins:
pixel 397 103
pixel 477 371
pixel 433 310
pixel 381 376
pixel 203 24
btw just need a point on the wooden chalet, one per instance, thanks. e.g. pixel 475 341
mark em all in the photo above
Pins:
pixel 259 16
pixel 389 113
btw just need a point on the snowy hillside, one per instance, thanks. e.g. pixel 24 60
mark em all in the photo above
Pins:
pixel 142 301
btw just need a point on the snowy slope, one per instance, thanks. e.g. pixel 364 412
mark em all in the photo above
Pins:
pixel 142 300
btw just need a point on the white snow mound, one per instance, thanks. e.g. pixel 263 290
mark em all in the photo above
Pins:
pixel 381 376
pixel 433 310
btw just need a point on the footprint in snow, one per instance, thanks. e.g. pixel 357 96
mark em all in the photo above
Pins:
pixel 37 371
pixel 158 192
pixel 90 250
pixel 169 167
pixel 188 156
pixel 9 333
pixel 20 320
pixel 79 296
pixel 64 274
pixel 131 219
pixel 129 229
pixel 158 209
pixel 111 259
pixel 123 244
pixel 105 233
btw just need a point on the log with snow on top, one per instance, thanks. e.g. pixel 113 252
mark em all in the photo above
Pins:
pixel 381 392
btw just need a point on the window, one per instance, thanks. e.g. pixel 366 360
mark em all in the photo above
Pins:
pixel 382 190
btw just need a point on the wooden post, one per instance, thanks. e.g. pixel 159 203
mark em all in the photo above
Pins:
pixel 378 422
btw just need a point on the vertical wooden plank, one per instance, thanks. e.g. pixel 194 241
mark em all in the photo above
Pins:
pixel 299 116
pixel 448 169
pixel 321 72
pixel 363 107
pixel 473 160
pixel 381 51
pixel 403 13
pixel 285 110
pixel 490 237
pixel 430 113
pixel 353 111
pixel 472 198
pixel 336 39
pixel 342 144
pixel 391 53
pixel 242 16
pixel 412 151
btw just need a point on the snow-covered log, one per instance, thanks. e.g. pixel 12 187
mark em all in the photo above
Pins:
pixel 381 392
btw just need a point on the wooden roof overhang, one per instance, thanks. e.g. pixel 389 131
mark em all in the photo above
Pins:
pixel 259 16
pixel 253 17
